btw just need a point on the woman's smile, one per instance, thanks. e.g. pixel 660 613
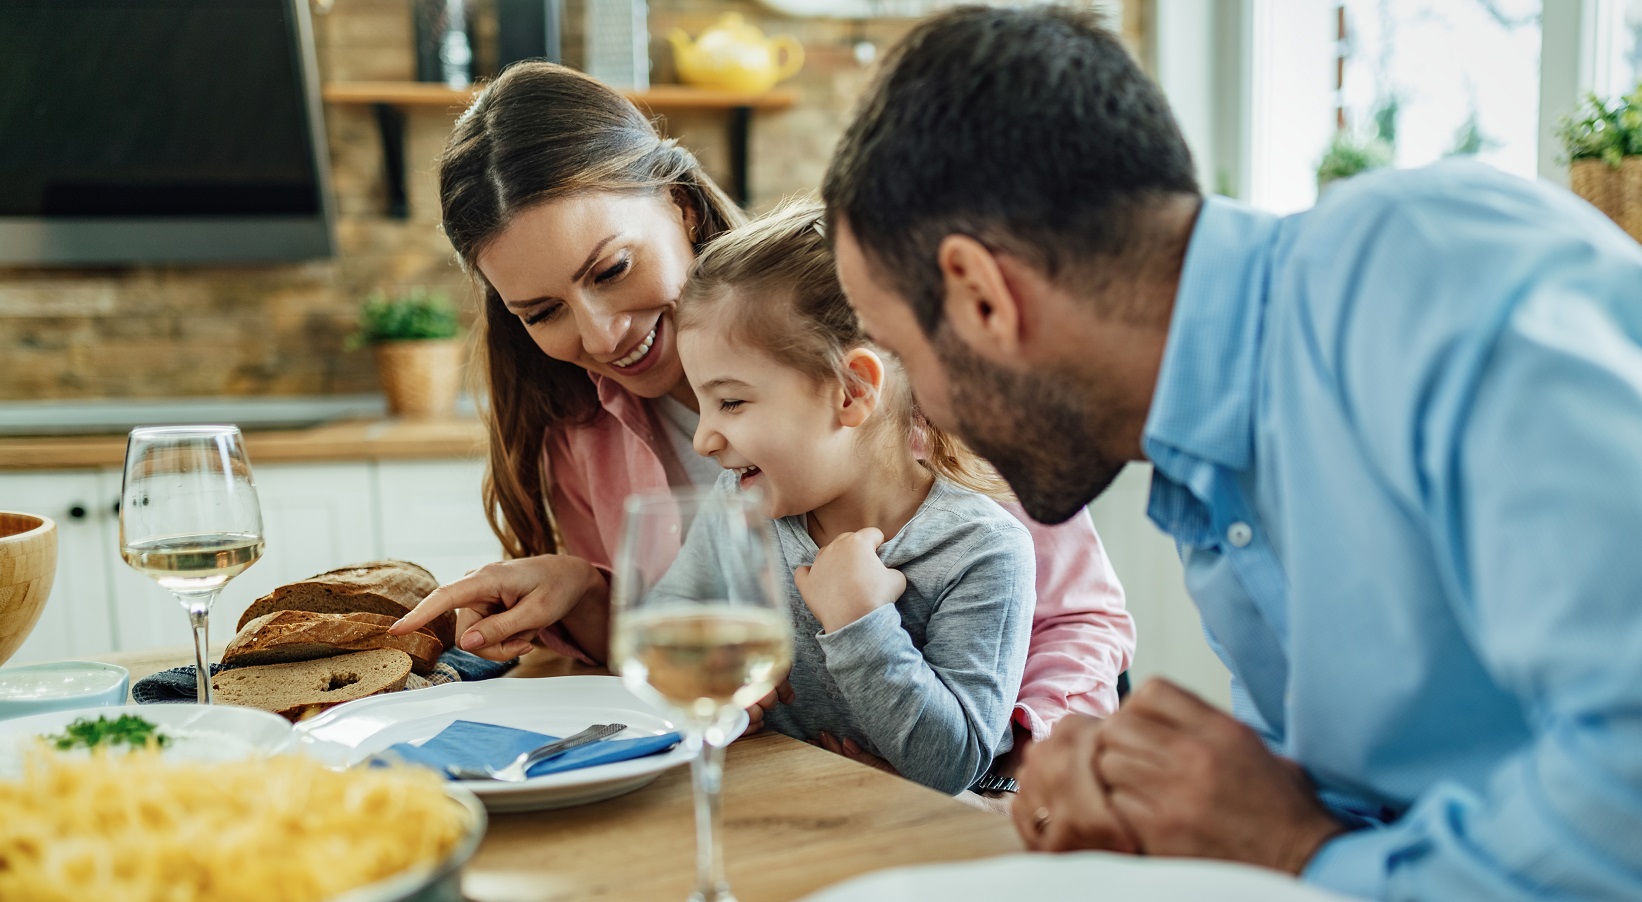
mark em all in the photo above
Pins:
pixel 631 362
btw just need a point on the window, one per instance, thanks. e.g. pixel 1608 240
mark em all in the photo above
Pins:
pixel 1418 79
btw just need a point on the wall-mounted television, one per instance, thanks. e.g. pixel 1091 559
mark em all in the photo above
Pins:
pixel 161 131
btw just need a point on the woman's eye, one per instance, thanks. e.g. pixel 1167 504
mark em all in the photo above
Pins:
pixel 616 269
pixel 729 405
pixel 543 315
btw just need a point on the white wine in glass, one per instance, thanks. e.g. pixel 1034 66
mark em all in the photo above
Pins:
pixel 189 519
pixel 700 626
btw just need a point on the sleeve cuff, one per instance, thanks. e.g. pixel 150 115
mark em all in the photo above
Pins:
pixel 1352 864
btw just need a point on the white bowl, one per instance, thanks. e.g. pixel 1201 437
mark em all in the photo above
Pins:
pixel 61 686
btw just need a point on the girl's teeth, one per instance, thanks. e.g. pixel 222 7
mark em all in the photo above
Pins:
pixel 639 352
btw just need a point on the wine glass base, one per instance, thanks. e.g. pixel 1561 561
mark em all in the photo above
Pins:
pixel 722 894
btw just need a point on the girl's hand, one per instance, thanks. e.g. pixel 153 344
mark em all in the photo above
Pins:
pixel 780 695
pixel 848 581
pixel 502 605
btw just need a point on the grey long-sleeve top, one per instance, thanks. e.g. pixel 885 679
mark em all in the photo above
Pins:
pixel 926 683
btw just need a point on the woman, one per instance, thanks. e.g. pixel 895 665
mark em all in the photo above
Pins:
pixel 579 224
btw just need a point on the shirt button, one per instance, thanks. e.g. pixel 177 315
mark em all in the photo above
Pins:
pixel 1240 534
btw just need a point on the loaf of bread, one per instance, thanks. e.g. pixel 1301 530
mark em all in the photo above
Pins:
pixel 285 636
pixel 303 689
pixel 389 588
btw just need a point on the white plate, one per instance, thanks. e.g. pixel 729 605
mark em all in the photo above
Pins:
pixel 557 706
pixel 1076 878
pixel 199 732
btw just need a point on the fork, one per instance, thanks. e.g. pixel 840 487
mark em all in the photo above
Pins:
pixel 515 771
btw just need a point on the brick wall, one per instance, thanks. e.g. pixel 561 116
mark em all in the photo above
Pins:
pixel 278 330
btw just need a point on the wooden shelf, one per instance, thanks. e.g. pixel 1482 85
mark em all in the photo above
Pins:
pixel 659 97
pixel 390 98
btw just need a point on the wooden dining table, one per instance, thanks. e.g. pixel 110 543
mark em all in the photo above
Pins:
pixel 796 819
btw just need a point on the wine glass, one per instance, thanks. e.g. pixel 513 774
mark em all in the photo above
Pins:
pixel 189 518
pixel 701 627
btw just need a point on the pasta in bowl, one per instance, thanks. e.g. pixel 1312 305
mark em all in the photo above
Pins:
pixel 138 827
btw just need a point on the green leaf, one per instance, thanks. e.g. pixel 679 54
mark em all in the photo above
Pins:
pixel 416 315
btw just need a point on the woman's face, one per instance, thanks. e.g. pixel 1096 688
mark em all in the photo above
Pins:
pixel 595 279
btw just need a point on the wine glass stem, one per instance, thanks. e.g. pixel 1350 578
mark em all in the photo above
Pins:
pixel 199 608
pixel 707 771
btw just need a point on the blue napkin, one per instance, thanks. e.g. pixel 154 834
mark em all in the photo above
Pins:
pixel 477 745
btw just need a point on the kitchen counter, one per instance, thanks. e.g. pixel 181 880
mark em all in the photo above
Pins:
pixel 357 439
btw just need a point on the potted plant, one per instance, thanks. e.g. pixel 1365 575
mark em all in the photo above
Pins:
pixel 418 354
pixel 1602 142
pixel 1348 155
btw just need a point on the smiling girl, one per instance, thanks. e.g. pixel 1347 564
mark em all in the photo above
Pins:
pixel 910 590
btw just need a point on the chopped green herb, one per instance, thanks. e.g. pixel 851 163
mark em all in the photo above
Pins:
pixel 127 729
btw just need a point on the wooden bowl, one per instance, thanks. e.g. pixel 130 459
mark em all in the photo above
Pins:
pixel 28 563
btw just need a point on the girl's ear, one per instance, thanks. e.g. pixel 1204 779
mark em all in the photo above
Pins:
pixel 861 392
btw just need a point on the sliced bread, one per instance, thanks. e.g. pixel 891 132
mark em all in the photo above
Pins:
pixel 285 636
pixel 302 689
pixel 389 588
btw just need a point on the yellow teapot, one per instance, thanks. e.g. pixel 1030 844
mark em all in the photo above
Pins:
pixel 732 55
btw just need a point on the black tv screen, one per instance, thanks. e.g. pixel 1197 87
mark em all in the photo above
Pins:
pixel 160 131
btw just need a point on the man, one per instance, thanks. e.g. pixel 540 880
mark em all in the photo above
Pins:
pixel 1398 440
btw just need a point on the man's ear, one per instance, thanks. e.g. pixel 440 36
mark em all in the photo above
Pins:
pixel 980 303
pixel 859 394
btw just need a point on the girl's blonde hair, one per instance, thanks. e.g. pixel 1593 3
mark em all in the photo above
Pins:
pixel 538 133
pixel 789 304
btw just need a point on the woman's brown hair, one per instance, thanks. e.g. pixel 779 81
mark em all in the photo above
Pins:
pixel 780 273
pixel 538 133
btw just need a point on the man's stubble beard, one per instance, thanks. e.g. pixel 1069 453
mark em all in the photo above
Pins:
pixel 1039 432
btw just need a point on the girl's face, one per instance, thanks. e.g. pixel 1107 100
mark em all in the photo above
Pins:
pixel 771 422
pixel 595 279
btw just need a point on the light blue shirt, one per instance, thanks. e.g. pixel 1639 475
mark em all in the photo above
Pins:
pixel 1398 441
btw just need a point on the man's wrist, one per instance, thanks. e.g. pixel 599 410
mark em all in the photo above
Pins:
pixel 1308 841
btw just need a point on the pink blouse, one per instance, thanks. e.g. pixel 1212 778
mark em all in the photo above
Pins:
pixel 1082 637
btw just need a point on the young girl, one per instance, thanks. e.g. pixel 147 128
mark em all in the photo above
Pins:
pixel 910 590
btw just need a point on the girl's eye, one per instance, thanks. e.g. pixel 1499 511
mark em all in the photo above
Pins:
pixel 729 405
pixel 543 315
pixel 616 269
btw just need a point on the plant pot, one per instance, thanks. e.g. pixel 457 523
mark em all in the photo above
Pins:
pixel 1630 193
pixel 1600 185
pixel 421 378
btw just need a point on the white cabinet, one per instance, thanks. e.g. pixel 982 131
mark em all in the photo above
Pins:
pixel 431 514
pixel 316 517
pixel 77 619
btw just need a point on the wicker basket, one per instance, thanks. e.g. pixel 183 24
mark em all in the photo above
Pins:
pixel 1629 181
pixel 421 378
pixel 1599 184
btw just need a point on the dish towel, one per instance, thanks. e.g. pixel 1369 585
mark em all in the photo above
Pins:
pixel 177 684
pixel 479 745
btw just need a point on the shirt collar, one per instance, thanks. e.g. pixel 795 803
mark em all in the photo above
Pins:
pixel 628 409
pixel 1204 402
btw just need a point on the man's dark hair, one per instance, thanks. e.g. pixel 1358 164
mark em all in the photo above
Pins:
pixel 1032 131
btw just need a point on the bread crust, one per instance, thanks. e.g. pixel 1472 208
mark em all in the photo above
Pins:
pixel 287 636
pixel 390 588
